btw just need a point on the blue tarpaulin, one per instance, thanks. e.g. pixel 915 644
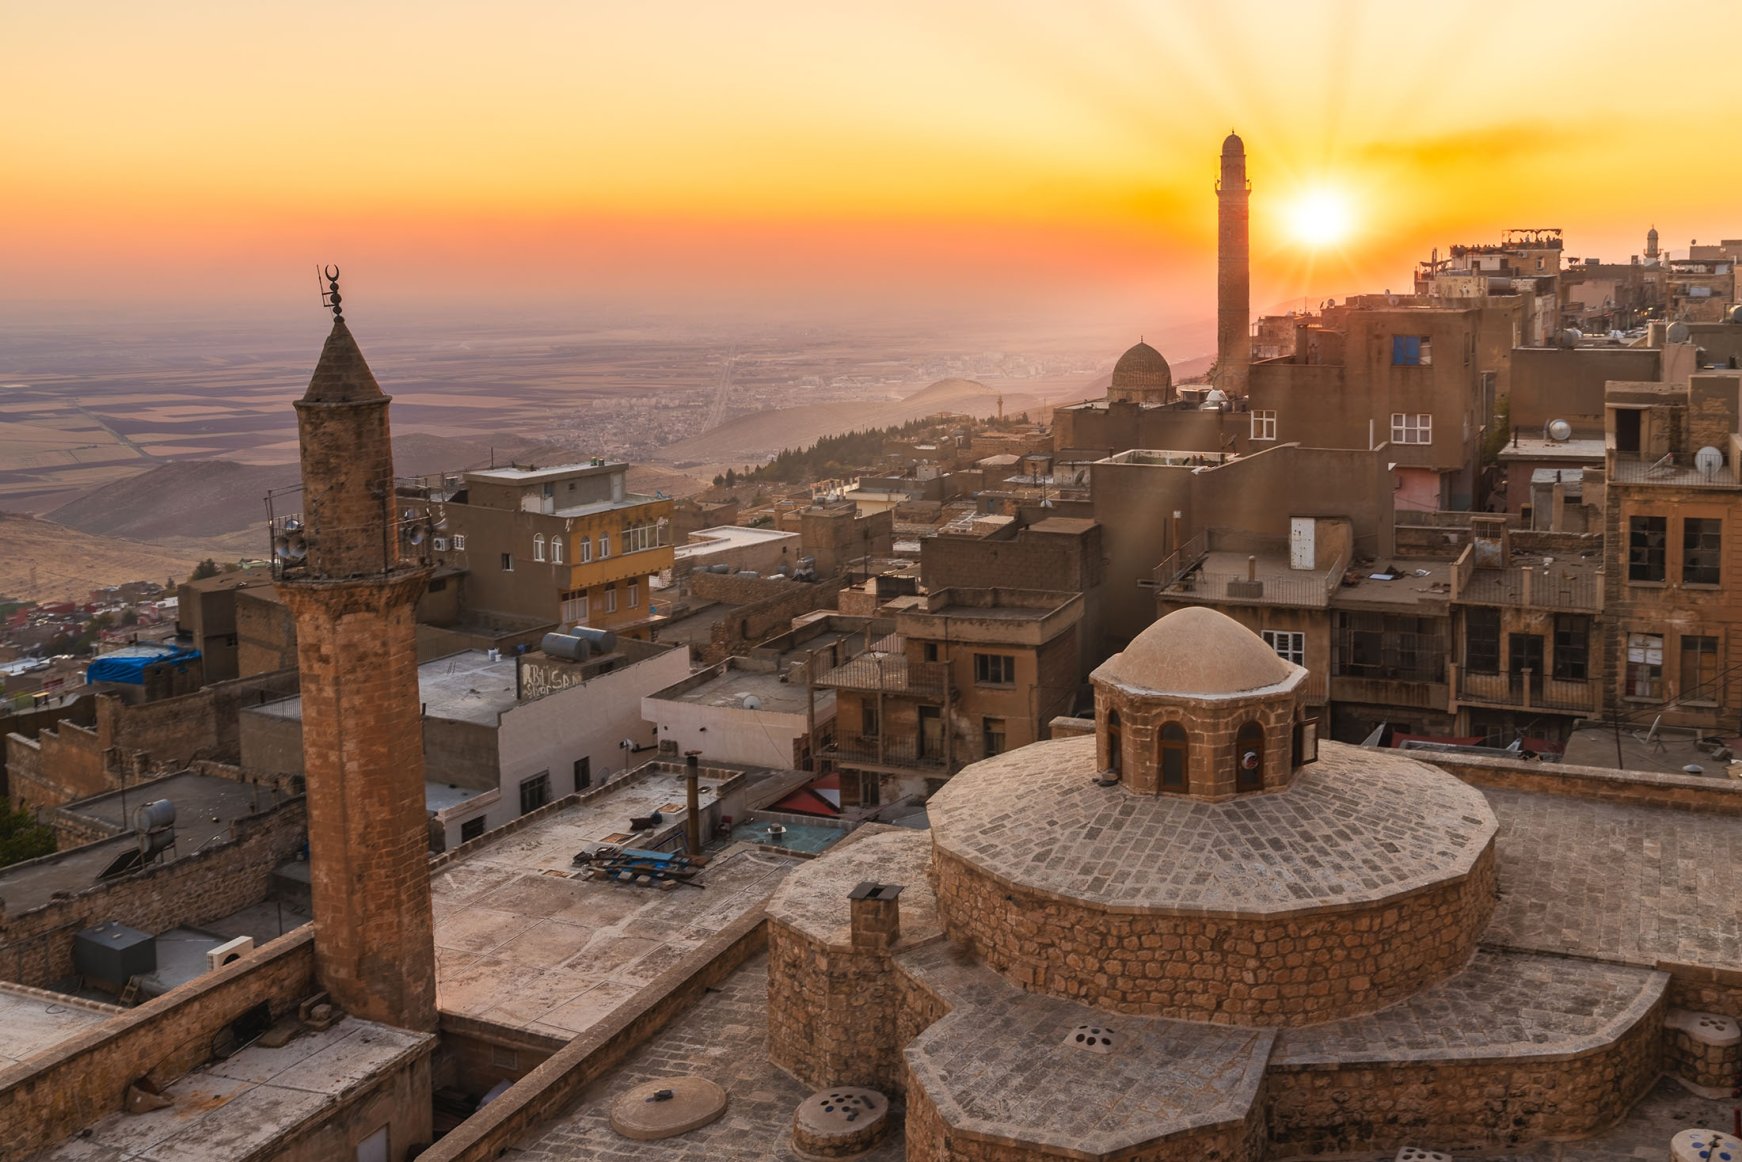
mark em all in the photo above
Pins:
pixel 129 663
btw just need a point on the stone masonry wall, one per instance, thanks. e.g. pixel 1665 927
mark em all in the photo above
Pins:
pixel 750 625
pixel 929 1139
pixel 829 1021
pixel 1461 1105
pixel 1298 970
pixel 1212 732
pixel 36 947
pixel 85 1077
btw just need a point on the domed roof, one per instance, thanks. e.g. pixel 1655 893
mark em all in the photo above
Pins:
pixel 1142 366
pixel 1198 652
pixel 1232 144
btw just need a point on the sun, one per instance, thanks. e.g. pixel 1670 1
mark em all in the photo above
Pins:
pixel 1321 217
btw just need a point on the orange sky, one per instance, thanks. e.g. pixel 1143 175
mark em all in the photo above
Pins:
pixel 905 152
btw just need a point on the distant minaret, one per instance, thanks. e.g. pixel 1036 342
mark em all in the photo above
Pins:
pixel 1651 243
pixel 362 734
pixel 1233 274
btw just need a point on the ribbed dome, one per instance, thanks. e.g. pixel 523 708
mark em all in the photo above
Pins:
pixel 1197 651
pixel 1142 366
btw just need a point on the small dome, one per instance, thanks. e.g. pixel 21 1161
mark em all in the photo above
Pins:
pixel 1142 366
pixel 1197 651
pixel 1232 145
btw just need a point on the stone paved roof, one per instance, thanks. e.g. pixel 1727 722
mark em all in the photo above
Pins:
pixel 1356 826
pixel 1621 881
pixel 1197 651
pixel 1506 1004
pixel 1001 1065
pixel 813 896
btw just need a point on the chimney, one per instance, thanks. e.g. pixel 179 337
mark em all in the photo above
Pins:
pixel 692 823
pixel 875 916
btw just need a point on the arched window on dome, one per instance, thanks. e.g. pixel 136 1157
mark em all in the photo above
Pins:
pixel 1173 757
pixel 1115 746
pixel 1249 758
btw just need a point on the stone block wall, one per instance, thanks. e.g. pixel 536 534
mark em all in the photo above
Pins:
pixel 1212 730
pixel 1288 970
pixel 1461 1105
pixel 750 625
pixel 931 1139
pixel 86 1077
pixel 829 1021
pixel 36 947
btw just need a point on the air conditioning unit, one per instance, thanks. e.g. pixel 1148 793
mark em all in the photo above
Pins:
pixel 229 952
pixel 440 544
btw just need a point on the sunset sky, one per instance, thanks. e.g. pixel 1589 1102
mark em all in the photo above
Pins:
pixel 909 150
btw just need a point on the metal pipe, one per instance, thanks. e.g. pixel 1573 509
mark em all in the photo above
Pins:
pixel 692 790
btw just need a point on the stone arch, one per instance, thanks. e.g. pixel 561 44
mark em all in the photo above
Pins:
pixel 1249 756
pixel 1115 746
pixel 1175 746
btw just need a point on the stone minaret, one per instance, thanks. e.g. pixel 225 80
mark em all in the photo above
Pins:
pixel 1651 243
pixel 362 735
pixel 1233 271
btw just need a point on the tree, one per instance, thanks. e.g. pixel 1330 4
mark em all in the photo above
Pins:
pixel 731 477
pixel 130 616
pixel 22 837
pixel 206 568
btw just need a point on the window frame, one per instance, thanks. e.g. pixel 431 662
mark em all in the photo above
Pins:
pixel 538 546
pixel 584 550
pixel 604 546
pixel 1702 563
pixel 611 598
pixel 535 787
pixel 1296 649
pixel 1264 424
pixel 1571 636
pixel 556 550
pixel 1642 678
pixel 987 667
pixel 1644 558
pixel 1698 693
pixel 1413 429
pixel 507 562
pixel 988 733
pixel 1471 664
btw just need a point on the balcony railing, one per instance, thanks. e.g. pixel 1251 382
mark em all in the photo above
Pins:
pixel 1182 575
pixel 1527 690
pixel 1681 469
pixel 890 674
pixel 896 752
pixel 1541 586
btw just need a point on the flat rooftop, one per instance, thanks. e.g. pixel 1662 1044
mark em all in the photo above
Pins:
pixel 536 475
pixel 1414 582
pixel 463 687
pixel 231 1108
pixel 732 686
pixel 1536 448
pixel 722 538
pixel 35 1022
pixel 522 942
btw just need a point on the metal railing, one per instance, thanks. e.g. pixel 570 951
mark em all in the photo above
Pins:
pixel 890 674
pixel 1528 690
pixel 1677 468
pixel 905 752
pixel 1545 586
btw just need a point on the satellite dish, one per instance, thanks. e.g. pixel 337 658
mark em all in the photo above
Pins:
pixel 1679 333
pixel 419 533
pixel 1708 460
pixel 1735 315
pixel 292 525
pixel 1559 430
pixel 750 702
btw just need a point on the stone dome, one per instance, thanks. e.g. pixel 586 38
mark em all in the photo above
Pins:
pixel 1141 366
pixel 1232 145
pixel 1197 652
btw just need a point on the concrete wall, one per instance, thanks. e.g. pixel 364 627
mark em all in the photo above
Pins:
pixel 750 625
pixel 1566 383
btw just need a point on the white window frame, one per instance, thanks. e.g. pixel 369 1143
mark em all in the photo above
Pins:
pixel 1288 644
pixel 1412 428
pixel 639 538
pixel 459 540
pixel 538 547
pixel 556 550
pixel 575 610
pixel 604 546
pixel 1264 425
pixel 634 594
pixel 610 599
pixel 585 546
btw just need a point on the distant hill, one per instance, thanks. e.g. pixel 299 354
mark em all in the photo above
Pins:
pixel 743 438
pixel 66 565
pixel 211 498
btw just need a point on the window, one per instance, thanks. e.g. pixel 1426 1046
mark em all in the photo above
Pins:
pixel 534 792
pixel 1115 745
pixel 1482 640
pixel 584 547
pixel 994 670
pixel 1702 544
pixel 1289 646
pixel 929 651
pixel 992 735
pixel 1572 647
pixel 610 599
pixel 583 773
pixel 1249 758
pixel 1174 753
pixel 640 537
pixel 538 547
pixel 575 607
pixel 471 829
pixel 869 726
pixel 604 545
pixel 1646 537
pixel 1411 351
pixel 634 594
pixel 1412 427
pixel 1644 666
pixel 508 562
pixel 437 585
pixel 1264 425
pixel 556 550
pixel 459 540
pixel 1700 670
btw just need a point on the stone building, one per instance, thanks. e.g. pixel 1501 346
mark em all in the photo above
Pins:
pixel 1198 933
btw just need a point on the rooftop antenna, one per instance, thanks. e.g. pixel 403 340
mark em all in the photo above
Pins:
pixel 330 296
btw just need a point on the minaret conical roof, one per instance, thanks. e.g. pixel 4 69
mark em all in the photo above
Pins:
pixel 342 375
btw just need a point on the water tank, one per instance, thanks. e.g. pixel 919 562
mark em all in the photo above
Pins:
pixel 749 575
pixel 566 645
pixel 111 954
pixel 722 570
pixel 1678 333
pixel 603 641
pixel 154 816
